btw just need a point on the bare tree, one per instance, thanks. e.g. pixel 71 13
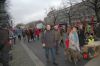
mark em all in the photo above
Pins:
pixel 54 14
pixel 46 12
pixel 95 6
pixel 67 5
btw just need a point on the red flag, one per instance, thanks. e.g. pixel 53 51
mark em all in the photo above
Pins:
pixel 92 23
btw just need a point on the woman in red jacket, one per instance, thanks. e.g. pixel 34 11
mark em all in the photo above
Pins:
pixel 37 33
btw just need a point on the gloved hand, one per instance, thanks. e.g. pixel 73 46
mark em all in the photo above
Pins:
pixel 43 45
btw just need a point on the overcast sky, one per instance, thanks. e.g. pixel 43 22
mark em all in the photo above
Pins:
pixel 24 11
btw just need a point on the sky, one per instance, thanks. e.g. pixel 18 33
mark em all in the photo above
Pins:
pixel 24 11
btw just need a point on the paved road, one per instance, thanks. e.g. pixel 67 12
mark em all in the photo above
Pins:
pixel 32 54
pixel 20 56
pixel 36 48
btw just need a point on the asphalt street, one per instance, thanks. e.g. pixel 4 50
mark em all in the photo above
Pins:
pixel 38 50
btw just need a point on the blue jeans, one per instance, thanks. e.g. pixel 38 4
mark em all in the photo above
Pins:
pixel 53 53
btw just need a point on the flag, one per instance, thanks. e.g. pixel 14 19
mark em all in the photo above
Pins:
pixel 92 23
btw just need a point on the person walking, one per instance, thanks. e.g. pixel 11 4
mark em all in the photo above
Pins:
pixel 57 37
pixel 15 36
pixel 62 34
pixel 66 37
pixel 66 43
pixel 74 48
pixel 31 34
pixel 74 39
pixel 37 33
pixel 19 33
pixel 24 34
pixel 49 43
pixel 81 34
pixel 28 35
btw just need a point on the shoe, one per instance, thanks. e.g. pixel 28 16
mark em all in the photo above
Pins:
pixel 57 53
pixel 48 61
pixel 55 63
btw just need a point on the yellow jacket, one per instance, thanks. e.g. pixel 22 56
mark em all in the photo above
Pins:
pixel 90 40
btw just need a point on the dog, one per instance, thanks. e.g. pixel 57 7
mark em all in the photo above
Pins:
pixel 72 55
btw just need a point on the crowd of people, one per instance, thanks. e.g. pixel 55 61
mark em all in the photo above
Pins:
pixel 28 34
pixel 70 38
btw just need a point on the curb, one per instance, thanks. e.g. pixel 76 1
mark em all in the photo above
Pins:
pixel 32 56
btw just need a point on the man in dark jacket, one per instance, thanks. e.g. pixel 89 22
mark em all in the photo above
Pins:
pixel 49 43
pixel 81 34
pixel 57 37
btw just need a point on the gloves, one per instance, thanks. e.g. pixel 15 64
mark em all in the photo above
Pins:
pixel 43 45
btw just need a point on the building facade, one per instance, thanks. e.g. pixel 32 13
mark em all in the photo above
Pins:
pixel 77 13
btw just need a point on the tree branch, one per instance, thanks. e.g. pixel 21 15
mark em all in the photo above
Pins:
pixel 93 3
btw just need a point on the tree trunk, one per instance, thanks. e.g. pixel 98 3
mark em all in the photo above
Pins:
pixel 98 31
pixel 69 16
pixel 98 21
pixel 97 16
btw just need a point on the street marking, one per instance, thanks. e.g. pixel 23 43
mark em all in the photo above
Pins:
pixel 32 56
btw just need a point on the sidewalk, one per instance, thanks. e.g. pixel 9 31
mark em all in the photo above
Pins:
pixel 20 56
pixel 94 62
